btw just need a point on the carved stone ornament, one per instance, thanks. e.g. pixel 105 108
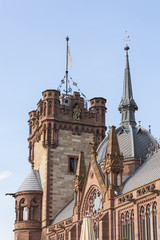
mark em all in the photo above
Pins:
pixel 76 113
pixel 91 174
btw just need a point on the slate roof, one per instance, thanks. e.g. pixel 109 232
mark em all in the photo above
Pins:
pixel 133 142
pixel 146 173
pixel 32 182
pixel 65 213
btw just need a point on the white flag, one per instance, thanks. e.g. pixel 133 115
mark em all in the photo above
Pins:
pixel 69 58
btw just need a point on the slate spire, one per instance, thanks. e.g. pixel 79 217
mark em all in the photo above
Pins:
pixel 127 105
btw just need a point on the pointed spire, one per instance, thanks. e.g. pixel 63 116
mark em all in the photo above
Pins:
pixel 81 169
pixel 127 105
pixel 113 146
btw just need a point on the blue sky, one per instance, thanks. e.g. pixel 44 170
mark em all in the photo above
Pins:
pixel 32 59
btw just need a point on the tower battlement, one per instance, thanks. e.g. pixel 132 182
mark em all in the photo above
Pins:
pixel 60 112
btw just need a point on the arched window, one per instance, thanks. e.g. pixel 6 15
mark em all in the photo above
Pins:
pixel 143 223
pixel 23 216
pixel 132 226
pixel 50 108
pixel 34 210
pixel 49 133
pixel 128 226
pixel 155 221
pixel 123 226
pixel 44 134
pixel 44 111
pixel 149 222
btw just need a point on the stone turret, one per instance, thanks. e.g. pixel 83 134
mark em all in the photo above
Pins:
pixel 28 208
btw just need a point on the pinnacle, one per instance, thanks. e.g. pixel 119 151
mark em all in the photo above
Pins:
pixel 113 146
pixel 81 170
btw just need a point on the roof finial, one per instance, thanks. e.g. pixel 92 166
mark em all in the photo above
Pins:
pixel 126 39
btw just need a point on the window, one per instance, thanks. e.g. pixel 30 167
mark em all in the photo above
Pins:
pixel 23 214
pixel 128 224
pixel 123 227
pixel 155 221
pixel 143 224
pixel 132 225
pixel 34 210
pixel 73 162
pixel 149 221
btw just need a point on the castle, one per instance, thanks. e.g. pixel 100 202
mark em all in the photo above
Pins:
pixel 77 171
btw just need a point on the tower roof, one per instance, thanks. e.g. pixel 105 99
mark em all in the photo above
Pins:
pixel 32 182
pixel 127 105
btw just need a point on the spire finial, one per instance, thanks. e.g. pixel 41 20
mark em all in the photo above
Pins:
pixel 67 39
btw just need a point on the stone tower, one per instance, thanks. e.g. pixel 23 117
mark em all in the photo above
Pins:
pixel 59 129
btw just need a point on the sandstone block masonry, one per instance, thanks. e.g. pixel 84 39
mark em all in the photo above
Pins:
pixel 59 129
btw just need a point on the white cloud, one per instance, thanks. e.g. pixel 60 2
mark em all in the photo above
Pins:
pixel 5 174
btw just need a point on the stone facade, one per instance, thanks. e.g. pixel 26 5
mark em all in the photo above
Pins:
pixel 134 215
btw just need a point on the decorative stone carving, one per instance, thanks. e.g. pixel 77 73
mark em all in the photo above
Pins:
pixel 76 113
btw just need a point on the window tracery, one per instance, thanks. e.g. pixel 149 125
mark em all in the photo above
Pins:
pixel 93 202
pixel 127 225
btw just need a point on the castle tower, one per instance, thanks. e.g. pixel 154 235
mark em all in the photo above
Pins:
pixel 59 129
pixel 28 208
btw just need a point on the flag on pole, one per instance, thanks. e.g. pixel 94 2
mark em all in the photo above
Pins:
pixel 69 58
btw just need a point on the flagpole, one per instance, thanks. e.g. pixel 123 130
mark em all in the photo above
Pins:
pixel 67 39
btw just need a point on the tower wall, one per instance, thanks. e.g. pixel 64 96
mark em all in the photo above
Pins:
pixel 58 131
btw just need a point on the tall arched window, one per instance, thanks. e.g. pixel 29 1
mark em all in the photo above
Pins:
pixel 123 226
pixel 143 223
pixel 149 222
pixel 23 216
pixel 44 111
pixel 132 226
pixel 50 108
pixel 128 226
pixel 49 133
pixel 155 221
pixel 34 210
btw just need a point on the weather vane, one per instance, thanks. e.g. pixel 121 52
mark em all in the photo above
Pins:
pixel 127 38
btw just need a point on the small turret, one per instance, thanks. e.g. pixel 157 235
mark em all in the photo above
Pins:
pixel 29 208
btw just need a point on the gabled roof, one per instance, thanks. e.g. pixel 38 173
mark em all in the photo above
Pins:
pixel 32 182
pixel 65 213
pixel 149 171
